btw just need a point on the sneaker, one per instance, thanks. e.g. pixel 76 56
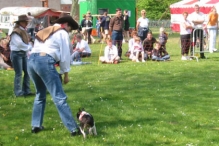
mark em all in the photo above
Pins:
pixel 137 60
pixel 214 49
pixel 76 132
pixel 183 58
pixel 143 60
pixel 36 129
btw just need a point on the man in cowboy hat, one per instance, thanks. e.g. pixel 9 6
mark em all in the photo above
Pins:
pixel 52 45
pixel 19 46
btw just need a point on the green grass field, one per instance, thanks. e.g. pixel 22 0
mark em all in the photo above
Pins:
pixel 171 103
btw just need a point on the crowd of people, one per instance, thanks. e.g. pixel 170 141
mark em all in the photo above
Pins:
pixel 193 26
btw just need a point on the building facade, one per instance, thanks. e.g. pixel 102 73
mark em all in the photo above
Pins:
pixel 55 4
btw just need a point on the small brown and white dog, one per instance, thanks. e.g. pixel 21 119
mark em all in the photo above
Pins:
pixel 86 122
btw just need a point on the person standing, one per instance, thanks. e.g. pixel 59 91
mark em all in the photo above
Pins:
pixel 98 27
pixel 105 25
pixel 20 45
pixel 198 18
pixel 142 25
pixel 52 45
pixel 127 25
pixel 212 25
pixel 116 27
pixel 185 32
pixel 88 26
pixel 31 25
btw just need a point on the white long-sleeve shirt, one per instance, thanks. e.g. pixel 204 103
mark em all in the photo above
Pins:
pixel 57 46
pixel 110 53
pixel 17 44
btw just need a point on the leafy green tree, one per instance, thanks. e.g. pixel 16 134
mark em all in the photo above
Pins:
pixel 156 9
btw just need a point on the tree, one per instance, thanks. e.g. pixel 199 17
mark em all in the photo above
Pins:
pixel 75 10
pixel 156 9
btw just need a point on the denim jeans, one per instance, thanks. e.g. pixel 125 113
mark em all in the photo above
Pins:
pixel 19 61
pixel 160 58
pixel 45 77
pixel 76 56
pixel 117 38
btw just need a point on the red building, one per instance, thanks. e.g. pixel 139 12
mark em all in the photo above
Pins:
pixel 54 4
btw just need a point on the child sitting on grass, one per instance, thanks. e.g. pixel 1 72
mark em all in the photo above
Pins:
pixel 138 48
pixel 159 53
pixel 110 54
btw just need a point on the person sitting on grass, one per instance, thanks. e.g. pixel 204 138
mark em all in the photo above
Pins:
pixel 5 61
pixel 129 53
pixel 157 53
pixel 148 45
pixel 82 49
pixel 138 48
pixel 110 54
pixel 163 53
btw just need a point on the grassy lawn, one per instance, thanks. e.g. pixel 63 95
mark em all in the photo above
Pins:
pixel 134 104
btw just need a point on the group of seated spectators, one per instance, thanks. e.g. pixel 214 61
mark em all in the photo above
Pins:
pixel 149 48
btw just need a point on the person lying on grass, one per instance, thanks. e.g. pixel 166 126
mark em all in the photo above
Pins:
pixel 110 54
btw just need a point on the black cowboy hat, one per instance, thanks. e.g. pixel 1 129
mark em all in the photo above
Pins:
pixel 71 22
pixel 22 18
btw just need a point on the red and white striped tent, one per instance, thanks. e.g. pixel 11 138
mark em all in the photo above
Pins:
pixel 178 8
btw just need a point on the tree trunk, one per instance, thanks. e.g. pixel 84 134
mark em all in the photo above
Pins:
pixel 75 10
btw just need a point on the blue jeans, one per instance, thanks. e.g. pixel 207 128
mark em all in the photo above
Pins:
pixel 45 77
pixel 19 61
pixel 160 58
pixel 76 56
pixel 117 38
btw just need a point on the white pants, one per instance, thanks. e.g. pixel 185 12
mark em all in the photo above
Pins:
pixel 103 59
pixel 212 38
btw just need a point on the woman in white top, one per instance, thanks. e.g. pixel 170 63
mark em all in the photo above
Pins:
pixel 212 25
pixel 185 32
pixel 142 25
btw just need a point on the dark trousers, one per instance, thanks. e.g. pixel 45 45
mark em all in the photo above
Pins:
pixel 88 35
pixel 198 34
pixel 185 43
pixel 117 38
